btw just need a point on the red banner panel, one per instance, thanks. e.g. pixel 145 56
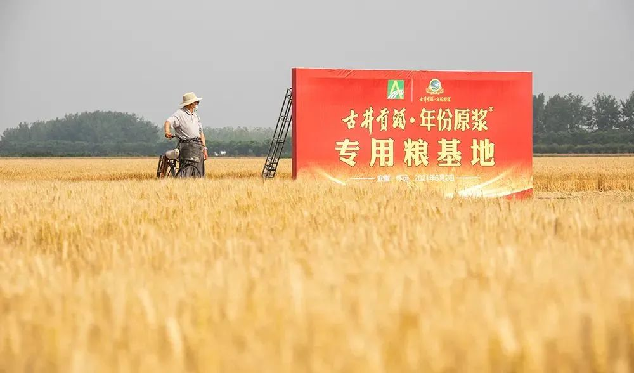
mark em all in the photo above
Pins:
pixel 459 133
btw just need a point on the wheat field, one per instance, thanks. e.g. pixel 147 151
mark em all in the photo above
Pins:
pixel 106 269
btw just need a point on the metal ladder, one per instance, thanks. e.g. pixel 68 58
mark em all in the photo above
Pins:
pixel 279 137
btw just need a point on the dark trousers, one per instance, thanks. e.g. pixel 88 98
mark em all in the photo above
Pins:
pixel 192 151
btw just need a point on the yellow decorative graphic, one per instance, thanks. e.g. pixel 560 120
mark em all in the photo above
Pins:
pixel 368 120
pixel 416 151
pixel 426 117
pixel 483 153
pixel 382 118
pixel 445 118
pixel 462 119
pixel 347 151
pixel 478 119
pixel 449 155
pixel 398 119
pixel 383 150
pixel 350 120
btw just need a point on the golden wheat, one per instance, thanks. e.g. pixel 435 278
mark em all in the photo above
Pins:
pixel 106 269
pixel 579 174
pixel 564 174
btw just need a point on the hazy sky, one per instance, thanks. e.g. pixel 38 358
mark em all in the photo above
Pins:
pixel 68 56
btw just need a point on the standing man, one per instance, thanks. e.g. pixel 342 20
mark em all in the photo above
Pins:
pixel 188 129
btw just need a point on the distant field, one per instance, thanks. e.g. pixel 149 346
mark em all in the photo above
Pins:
pixel 104 268
pixel 556 174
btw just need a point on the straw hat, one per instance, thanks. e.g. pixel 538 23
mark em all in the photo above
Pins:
pixel 189 98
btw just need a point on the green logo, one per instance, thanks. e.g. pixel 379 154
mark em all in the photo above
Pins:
pixel 396 90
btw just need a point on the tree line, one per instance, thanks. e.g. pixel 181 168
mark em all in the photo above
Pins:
pixel 561 124
pixel 569 124
pixel 107 133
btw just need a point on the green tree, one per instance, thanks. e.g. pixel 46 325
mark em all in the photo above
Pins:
pixel 121 134
pixel 566 113
pixel 606 114
pixel 539 105
pixel 239 134
pixel 627 113
pixel 94 127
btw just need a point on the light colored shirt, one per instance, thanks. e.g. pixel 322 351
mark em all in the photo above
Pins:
pixel 186 125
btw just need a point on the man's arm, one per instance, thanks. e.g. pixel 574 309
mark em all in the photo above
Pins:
pixel 167 130
pixel 202 138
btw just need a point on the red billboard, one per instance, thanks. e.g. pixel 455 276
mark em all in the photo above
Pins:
pixel 459 133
